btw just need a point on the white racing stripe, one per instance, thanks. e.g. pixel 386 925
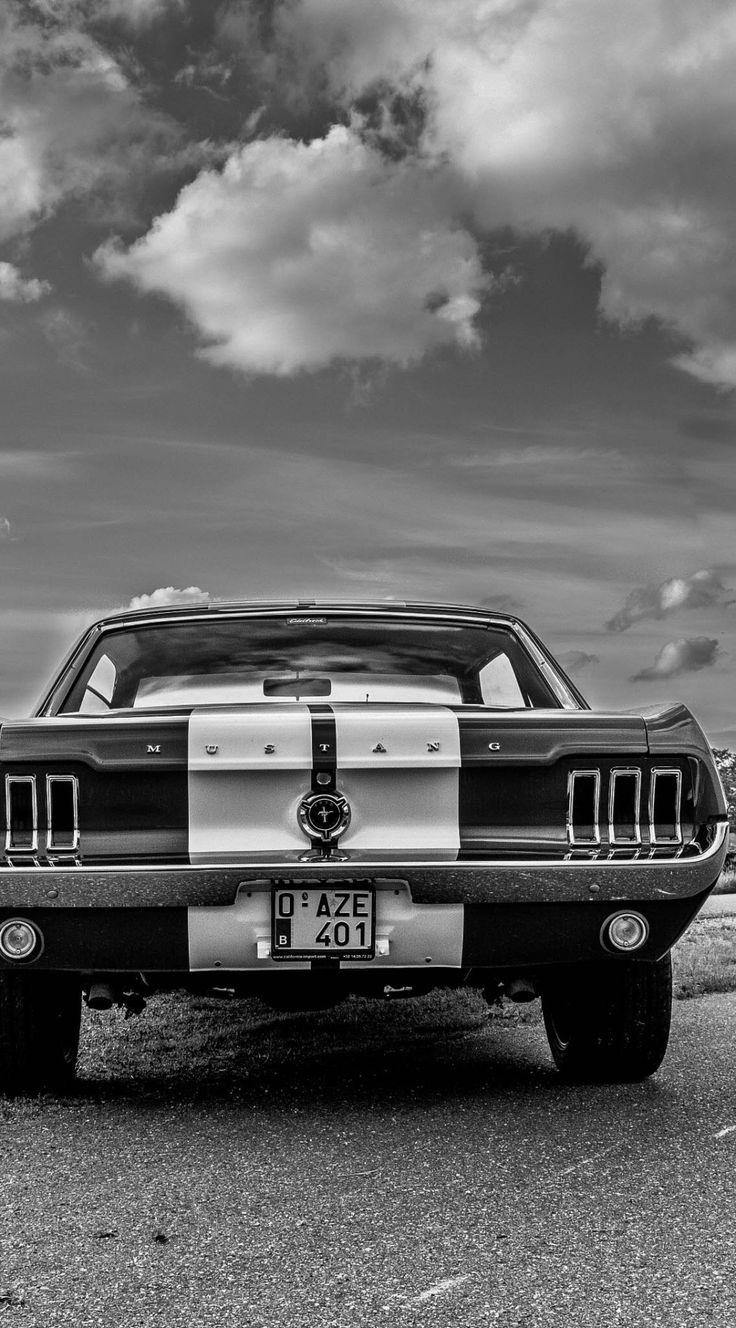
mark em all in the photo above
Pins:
pixel 242 796
pixel 404 797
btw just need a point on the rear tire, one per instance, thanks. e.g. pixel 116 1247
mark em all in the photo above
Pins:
pixel 40 1015
pixel 611 1025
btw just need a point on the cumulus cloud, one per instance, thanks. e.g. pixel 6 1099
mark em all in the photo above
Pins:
pixel 5 528
pixel 686 655
pixel 72 120
pixel 701 590
pixel 296 255
pixel 18 289
pixel 574 661
pixel 610 120
pixel 169 595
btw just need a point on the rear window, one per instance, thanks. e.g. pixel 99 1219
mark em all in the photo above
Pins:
pixel 231 661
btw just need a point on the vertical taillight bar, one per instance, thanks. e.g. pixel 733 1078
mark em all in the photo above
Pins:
pixel 665 800
pixel 583 807
pixel 624 806
pixel 21 814
pixel 62 807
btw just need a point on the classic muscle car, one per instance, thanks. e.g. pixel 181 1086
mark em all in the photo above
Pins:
pixel 303 800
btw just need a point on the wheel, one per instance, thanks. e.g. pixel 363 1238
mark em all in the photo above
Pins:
pixel 39 1030
pixel 611 1024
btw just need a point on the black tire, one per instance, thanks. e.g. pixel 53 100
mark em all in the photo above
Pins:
pixel 610 1024
pixel 39 1031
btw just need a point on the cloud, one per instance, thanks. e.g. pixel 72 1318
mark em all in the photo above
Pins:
pixel 5 528
pixel 686 655
pixel 609 120
pixel 699 591
pixel 136 14
pixel 133 14
pixel 169 595
pixel 73 122
pixel 68 336
pixel 574 661
pixel 33 464
pixel 18 289
pixel 296 255
pixel 545 457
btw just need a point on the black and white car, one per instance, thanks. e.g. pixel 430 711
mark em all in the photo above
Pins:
pixel 303 800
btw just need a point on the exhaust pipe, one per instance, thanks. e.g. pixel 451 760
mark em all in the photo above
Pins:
pixel 100 996
pixel 520 990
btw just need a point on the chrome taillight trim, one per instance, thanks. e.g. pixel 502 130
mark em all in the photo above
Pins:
pixel 10 782
pixel 572 779
pixel 71 846
pixel 657 772
pixel 624 772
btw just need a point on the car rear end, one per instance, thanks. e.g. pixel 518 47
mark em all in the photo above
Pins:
pixel 300 847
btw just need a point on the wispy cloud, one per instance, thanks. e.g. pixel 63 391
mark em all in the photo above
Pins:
pixel 701 590
pixel 5 528
pixel 34 464
pixel 551 456
pixel 686 655
pixel 574 661
pixel 68 335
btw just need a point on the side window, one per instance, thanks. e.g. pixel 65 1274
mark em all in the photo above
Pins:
pixel 498 683
pixel 100 687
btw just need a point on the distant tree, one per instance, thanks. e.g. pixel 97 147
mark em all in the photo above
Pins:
pixel 726 762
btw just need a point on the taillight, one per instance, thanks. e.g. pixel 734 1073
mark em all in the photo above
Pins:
pixel 62 807
pixel 22 829
pixel 630 820
pixel 583 807
pixel 624 806
pixel 665 797
pixel 21 814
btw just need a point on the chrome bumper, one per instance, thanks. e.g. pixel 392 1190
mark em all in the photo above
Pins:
pixel 431 882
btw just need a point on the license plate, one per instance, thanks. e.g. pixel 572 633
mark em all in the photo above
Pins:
pixel 327 921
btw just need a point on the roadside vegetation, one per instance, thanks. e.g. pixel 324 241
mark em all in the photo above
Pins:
pixel 726 763
pixel 704 960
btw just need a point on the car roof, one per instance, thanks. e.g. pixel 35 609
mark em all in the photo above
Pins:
pixel 253 607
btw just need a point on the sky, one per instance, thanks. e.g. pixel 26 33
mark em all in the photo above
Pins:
pixel 405 300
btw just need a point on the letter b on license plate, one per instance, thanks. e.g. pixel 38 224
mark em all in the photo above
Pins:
pixel 318 922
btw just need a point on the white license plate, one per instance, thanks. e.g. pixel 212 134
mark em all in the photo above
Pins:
pixel 331 921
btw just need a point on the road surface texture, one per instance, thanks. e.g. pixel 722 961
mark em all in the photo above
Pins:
pixel 448 1181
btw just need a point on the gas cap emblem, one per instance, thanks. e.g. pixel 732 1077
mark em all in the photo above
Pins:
pixel 324 816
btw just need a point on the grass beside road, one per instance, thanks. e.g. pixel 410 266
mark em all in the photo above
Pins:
pixel 704 960
pixel 216 1041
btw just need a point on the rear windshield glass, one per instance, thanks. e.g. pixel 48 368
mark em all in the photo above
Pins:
pixel 238 660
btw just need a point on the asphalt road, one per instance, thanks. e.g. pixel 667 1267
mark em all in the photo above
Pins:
pixel 451 1184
